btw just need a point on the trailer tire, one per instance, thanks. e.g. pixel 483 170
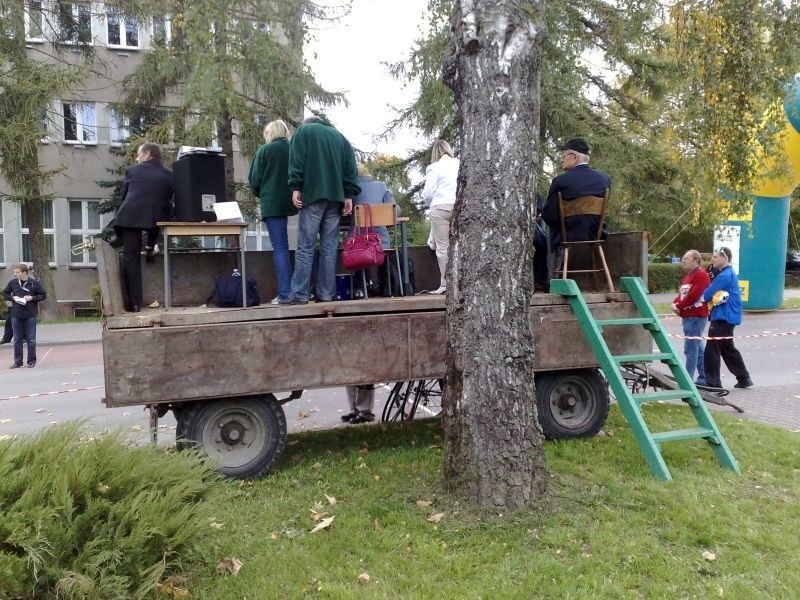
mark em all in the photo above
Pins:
pixel 181 441
pixel 245 437
pixel 571 404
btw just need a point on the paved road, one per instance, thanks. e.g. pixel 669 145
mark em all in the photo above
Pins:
pixel 67 383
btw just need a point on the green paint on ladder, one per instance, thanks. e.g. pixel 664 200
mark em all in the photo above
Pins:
pixel 630 403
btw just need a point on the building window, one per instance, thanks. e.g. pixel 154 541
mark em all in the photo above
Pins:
pixel 120 128
pixel 257 237
pixel 84 224
pixel 123 30
pixel 80 125
pixel 162 31
pixel 49 235
pixel 34 21
pixel 75 22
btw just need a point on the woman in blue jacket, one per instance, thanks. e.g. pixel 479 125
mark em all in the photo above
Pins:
pixel 725 302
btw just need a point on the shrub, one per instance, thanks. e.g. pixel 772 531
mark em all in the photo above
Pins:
pixel 96 517
pixel 663 277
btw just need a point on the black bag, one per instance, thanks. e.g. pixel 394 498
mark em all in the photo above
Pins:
pixel 228 292
pixel 390 286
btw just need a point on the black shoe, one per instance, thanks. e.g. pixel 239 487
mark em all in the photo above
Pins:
pixel 148 254
pixel 31 364
pixel 5 341
pixel 324 300
pixel 291 301
pixel 15 366
pixel 743 384
pixel 349 416
pixel 359 418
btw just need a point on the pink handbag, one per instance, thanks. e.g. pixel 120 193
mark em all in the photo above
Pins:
pixel 363 249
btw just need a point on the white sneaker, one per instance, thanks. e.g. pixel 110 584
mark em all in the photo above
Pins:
pixel 439 290
pixel 274 300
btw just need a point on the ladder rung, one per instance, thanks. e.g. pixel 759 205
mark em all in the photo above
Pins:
pixel 663 395
pixel 632 321
pixel 637 358
pixel 684 434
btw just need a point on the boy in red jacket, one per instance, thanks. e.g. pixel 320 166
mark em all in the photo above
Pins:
pixel 689 305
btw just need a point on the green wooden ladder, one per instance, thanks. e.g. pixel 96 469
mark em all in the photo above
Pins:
pixel 629 402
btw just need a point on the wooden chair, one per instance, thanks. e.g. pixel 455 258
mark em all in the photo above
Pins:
pixel 383 215
pixel 584 205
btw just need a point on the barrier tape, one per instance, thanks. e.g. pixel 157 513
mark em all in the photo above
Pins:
pixel 738 337
pixel 94 387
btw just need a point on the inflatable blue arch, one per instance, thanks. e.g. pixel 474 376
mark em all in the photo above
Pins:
pixel 758 238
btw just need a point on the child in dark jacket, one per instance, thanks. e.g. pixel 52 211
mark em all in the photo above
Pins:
pixel 24 293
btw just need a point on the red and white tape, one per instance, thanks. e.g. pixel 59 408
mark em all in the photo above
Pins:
pixel 39 394
pixel 738 337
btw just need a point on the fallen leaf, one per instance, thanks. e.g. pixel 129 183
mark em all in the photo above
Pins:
pixel 316 516
pixel 435 518
pixel 709 555
pixel 376 477
pixel 102 488
pixel 424 503
pixel 216 525
pixel 3 421
pixel 364 577
pixel 153 304
pixel 273 536
pixel 331 500
pixel 323 524
pixel 173 586
pixel 41 410
pixel 303 414
pixel 229 565
pixel 363 450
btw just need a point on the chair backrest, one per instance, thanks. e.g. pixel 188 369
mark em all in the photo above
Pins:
pixel 583 205
pixel 383 215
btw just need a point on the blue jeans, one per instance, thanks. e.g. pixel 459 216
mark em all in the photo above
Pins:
pixel 693 349
pixel 24 330
pixel 279 238
pixel 319 218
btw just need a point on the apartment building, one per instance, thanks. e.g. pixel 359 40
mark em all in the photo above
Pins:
pixel 84 137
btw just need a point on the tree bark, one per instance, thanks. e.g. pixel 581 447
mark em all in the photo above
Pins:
pixel 494 449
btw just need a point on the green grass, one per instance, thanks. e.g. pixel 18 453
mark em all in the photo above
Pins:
pixel 606 529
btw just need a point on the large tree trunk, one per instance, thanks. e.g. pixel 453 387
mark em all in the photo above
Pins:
pixel 494 449
pixel 34 218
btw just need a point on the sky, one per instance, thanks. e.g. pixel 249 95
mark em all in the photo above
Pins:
pixel 347 57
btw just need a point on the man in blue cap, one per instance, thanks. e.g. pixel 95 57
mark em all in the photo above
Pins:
pixel 579 179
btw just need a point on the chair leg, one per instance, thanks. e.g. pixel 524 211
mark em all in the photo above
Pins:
pixel 565 266
pixel 364 283
pixel 605 269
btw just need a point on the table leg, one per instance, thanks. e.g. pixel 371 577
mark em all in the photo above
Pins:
pixel 167 278
pixel 407 291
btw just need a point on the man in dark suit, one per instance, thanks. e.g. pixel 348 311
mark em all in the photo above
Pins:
pixel 146 199
pixel 579 179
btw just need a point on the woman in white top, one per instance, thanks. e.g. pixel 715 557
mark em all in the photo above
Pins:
pixel 439 194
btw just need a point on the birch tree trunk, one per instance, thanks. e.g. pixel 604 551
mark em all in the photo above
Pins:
pixel 494 448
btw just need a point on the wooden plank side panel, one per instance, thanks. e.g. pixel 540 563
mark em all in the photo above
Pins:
pixel 110 278
pixel 169 364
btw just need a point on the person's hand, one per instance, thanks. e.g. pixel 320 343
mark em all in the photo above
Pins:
pixel 297 199
pixel 348 206
pixel 675 309
pixel 28 298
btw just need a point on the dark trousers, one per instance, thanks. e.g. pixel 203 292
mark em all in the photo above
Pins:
pixel 8 333
pixel 24 331
pixel 725 349
pixel 132 261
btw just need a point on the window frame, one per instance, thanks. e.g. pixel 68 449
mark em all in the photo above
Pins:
pixel 28 37
pixel 76 17
pixel 50 232
pixel 81 127
pixel 85 258
pixel 119 125
pixel 118 12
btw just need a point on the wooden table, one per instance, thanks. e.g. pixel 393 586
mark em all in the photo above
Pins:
pixel 189 229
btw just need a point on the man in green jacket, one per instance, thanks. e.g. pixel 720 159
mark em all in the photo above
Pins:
pixel 323 179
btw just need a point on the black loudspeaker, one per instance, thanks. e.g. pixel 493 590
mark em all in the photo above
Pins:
pixel 199 182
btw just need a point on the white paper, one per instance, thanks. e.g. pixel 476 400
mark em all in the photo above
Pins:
pixel 228 211
pixel 20 300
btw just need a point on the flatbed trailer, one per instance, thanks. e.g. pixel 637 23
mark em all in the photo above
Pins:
pixel 226 372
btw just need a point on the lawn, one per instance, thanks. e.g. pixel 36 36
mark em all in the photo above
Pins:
pixel 606 529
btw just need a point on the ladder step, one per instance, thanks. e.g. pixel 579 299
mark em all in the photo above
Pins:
pixel 632 321
pixel 666 357
pixel 684 434
pixel 663 395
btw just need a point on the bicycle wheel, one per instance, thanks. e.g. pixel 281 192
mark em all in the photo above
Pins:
pixel 395 407
pixel 427 399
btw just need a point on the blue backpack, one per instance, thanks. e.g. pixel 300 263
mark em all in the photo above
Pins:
pixel 228 292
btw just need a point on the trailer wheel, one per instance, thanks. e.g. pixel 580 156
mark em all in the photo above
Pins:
pixel 571 403
pixel 244 436
pixel 181 441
